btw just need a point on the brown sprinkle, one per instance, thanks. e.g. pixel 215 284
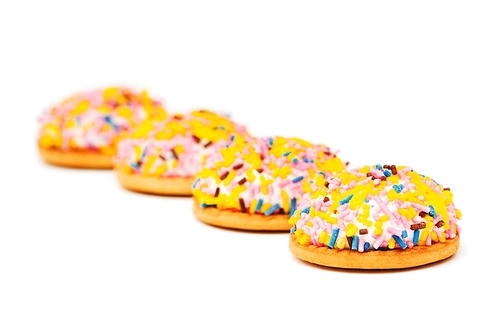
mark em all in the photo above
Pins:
pixel 224 175
pixel 161 157
pixel 422 214
pixel 349 240
pixel 446 188
pixel 327 184
pixel 422 225
pixel 394 171
pixel 235 167
pixel 208 144
pixel 363 231
pixel 242 205
pixel 440 224
pixel 326 199
pixel 196 139
pixel 217 191
pixel 260 170
pixel 174 154
pixel 243 180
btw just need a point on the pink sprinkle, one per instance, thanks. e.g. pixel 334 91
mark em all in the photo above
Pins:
pixel 393 231
pixel 361 244
pixel 343 214
pixel 428 241
pixel 341 225
pixel 420 207
pixel 378 242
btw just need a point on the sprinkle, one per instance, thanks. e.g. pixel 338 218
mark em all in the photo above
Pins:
pixel 404 234
pixel 259 205
pixel 367 246
pixel 346 200
pixel 397 188
pixel 333 239
pixel 272 209
pixel 401 243
pixel 416 235
pixel 306 210
pixel 217 191
pixel 174 154
pixel 387 173
pixel 243 180
pixel 293 204
pixel 224 175
pixel 354 244
pixel 363 231
pixel 298 178
pixel 286 153
pixel 432 212
pixel 242 205
pixel 236 167
pixel 349 241
pixel 440 224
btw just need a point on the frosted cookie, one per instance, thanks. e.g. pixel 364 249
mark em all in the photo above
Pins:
pixel 82 131
pixel 376 217
pixel 256 184
pixel 163 157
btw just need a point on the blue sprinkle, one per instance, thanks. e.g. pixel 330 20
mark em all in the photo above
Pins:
pixel 307 209
pixel 286 153
pixel 272 209
pixel 298 178
pixel 293 203
pixel 270 141
pixel 305 159
pixel 322 173
pixel 295 160
pixel 232 137
pixel 367 246
pixel 432 212
pixel 333 239
pixel 396 188
pixel 379 167
pixel 367 200
pixel 416 235
pixel 311 160
pixel 203 205
pixel 387 173
pixel 108 119
pixel 292 230
pixel 404 234
pixel 401 243
pixel 134 165
pixel 259 204
pixel 354 244
pixel 345 200
pixel 196 182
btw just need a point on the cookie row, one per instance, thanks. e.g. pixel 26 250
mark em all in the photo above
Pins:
pixel 369 217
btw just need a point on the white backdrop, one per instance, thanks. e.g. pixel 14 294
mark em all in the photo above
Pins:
pixel 384 81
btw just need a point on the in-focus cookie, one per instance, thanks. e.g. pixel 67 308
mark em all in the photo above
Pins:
pixel 256 184
pixel 376 217
pixel 163 157
pixel 82 131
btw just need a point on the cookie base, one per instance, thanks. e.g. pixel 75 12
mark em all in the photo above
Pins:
pixel 240 220
pixel 374 260
pixel 170 186
pixel 76 158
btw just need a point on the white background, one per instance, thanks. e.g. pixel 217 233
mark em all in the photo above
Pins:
pixel 407 83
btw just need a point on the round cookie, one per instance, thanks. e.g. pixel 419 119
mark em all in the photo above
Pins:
pixel 376 217
pixel 163 157
pixel 256 184
pixel 83 130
